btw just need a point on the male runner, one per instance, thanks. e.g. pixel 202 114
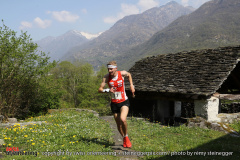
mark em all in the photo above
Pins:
pixel 119 103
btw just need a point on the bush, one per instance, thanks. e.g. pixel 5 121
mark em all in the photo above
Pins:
pixel 22 68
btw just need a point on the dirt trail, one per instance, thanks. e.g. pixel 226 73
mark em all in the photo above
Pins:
pixel 124 153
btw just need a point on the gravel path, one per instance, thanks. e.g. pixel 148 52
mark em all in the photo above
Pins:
pixel 123 153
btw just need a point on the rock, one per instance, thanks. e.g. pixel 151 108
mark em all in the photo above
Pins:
pixel 8 125
pixel 12 120
pixel 91 111
pixel 219 126
pixel 1 118
pixel 203 125
pixel 191 124
pixel 215 126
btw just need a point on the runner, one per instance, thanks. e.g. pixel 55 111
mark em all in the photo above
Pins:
pixel 119 102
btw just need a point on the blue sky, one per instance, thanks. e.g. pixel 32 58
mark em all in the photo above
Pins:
pixel 42 18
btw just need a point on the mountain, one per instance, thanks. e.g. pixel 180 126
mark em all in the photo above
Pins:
pixel 90 36
pixel 214 24
pixel 59 46
pixel 128 32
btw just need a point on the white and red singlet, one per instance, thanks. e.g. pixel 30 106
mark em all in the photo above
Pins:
pixel 118 82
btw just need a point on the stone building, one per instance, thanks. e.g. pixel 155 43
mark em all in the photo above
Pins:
pixel 203 77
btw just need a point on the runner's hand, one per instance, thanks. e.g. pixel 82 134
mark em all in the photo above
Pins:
pixel 132 90
pixel 113 89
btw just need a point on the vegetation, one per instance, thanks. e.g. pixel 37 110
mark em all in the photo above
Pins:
pixel 81 133
pixel 230 106
pixel 79 84
pixel 71 134
pixel 30 84
pixel 22 71
pixel 236 126
pixel 174 142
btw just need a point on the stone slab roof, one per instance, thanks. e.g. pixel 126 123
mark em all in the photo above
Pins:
pixel 199 72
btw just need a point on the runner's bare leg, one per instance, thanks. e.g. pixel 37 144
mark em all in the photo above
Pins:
pixel 123 117
pixel 121 120
pixel 118 121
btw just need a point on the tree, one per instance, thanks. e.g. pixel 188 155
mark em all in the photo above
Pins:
pixel 66 74
pixel 80 84
pixel 102 99
pixel 22 67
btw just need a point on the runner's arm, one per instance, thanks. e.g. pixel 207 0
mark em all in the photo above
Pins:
pixel 127 74
pixel 102 85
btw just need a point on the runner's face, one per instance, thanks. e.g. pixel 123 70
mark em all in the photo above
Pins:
pixel 112 71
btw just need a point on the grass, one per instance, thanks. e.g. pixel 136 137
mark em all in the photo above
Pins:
pixel 236 126
pixel 177 141
pixel 69 131
pixel 81 133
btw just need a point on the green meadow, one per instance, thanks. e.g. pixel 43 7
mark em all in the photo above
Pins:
pixel 81 135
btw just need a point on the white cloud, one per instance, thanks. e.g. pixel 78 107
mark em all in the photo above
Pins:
pixel 37 22
pixel 25 24
pixel 129 9
pixel 147 4
pixel 64 16
pixel 111 19
pixel 185 2
pixel 126 10
pixel 42 23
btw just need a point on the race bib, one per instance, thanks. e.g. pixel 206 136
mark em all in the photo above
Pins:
pixel 117 95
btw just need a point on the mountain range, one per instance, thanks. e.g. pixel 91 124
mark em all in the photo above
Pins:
pixel 214 24
pixel 127 33
pixel 166 29
pixel 57 47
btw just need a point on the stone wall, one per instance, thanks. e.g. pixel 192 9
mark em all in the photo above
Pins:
pixel 219 126
pixel 229 117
